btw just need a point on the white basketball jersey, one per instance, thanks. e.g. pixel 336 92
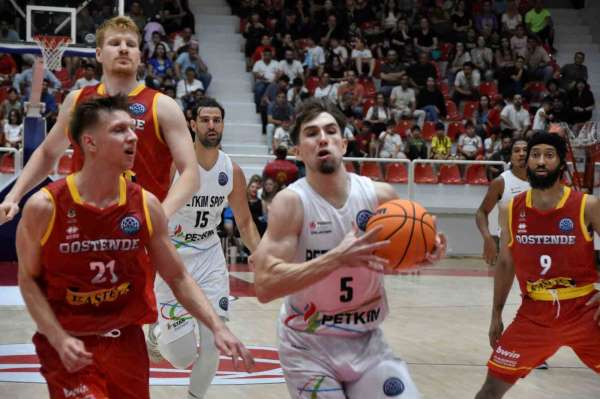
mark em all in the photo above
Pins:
pixel 351 300
pixel 512 186
pixel 194 226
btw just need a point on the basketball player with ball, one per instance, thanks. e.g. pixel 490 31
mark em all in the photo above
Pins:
pixel 315 255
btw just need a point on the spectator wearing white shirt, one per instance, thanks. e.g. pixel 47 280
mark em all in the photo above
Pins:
pixel 187 86
pixel 469 144
pixel 511 18
pixel 362 56
pixel 290 66
pixel 378 114
pixel 13 129
pixel 265 71
pixel 466 84
pixel 338 49
pixel 326 88
pixel 515 117
pixel 542 116
pixel 281 137
pixel 404 102
pixel 297 93
pixel 88 78
pixel 315 56
pixel 518 42
pixel 390 143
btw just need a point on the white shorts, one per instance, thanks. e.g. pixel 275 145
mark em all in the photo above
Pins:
pixel 208 268
pixel 331 366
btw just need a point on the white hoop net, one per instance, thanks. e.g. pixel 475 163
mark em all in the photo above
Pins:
pixel 52 48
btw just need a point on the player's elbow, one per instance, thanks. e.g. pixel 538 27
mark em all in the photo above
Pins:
pixel 264 293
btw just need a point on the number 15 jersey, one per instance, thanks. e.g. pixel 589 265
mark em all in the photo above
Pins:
pixel 351 300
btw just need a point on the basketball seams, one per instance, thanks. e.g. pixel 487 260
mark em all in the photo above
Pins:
pixel 410 236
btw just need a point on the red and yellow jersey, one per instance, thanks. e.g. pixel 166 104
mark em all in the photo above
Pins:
pixel 553 251
pixel 96 272
pixel 153 159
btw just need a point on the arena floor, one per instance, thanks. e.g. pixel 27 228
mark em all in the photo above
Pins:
pixel 438 324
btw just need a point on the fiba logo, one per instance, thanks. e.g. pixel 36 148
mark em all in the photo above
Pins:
pixel 393 386
pixel 362 218
pixel 137 109
pixel 130 225
pixel 223 179
pixel 565 225
pixel 224 303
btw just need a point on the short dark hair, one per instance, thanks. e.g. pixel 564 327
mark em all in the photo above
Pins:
pixel 87 113
pixel 310 109
pixel 551 139
pixel 208 102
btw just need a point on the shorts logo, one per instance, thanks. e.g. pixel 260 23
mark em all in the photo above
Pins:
pixel 362 218
pixel 137 109
pixel 224 303
pixel 130 225
pixel 393 386
pixel 565 225
pixel 71 213
pixel 223 178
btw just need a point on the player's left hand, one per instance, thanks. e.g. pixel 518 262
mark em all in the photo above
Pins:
pixel 439 250
pixel 595 300
pixel 231 346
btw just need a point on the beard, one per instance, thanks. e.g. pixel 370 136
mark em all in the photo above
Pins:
pixel 544 182
pixel 210 142
pixel 328 166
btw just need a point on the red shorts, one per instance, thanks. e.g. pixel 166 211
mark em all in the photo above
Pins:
pixel 536 334
pixel 120 369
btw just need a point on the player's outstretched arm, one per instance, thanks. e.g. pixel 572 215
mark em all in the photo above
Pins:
pixel 503 278
pixel 490 200
pixel 241 212
pixel 276 276
pixel 42 160
pixel 37 217
pixel 170 267
pixel 177 136
pixel 592 217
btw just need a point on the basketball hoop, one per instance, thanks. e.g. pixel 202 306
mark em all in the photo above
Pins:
pixel 52 48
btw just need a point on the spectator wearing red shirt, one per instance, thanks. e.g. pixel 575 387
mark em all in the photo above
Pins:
pixel 8 67
pixel 283 171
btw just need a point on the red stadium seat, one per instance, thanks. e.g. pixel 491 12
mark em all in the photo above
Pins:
pixel 403 127
pixel 424 174
pixel 428 130
pixel 349 167
pixel 475 174
pixel 450 174
pixel 369 102
pixel 370 89
pixel 488 89
pixel 311 84
pixel 445 48
pixel 469 109
pixel 372 170
pixel 455 129
pixel 4 93
pixel 444 89
pixel 452 111
pixel 7 163
pixel 396 173
pixel 65 164
pixel 64 78
pixel 536 87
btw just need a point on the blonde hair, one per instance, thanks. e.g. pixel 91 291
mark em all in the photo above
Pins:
pixel 121 23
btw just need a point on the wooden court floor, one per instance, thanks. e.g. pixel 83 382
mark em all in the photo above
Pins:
pixel 438 323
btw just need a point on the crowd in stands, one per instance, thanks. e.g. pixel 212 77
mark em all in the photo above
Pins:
pixel 441 79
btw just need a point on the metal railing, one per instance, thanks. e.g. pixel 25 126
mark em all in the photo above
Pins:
pixel 17 154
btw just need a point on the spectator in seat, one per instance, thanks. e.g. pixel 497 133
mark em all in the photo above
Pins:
pixel 159 65
pixel 559 111
pixel 270 189
pixel 281 137
pixel 511 18
pixel 187 86
pixel 570 73
pixel 265 71
pixel 466 84
pixel 155 40
pixel 253 32
pixel 538 61
pixel 481 116
pixel 13 129
pixel 391 72
pixel 135 13
pixel 416 147
pixel 390 143
pixel 515 117
pixel 425 41
pixel 515 79
pixel 503 155
pixel 11 102
pixel 270 95
pixel 193 59
pixel 255 205
pixel 182 41
pixel 22 81
pixel 362 58
pixel 404 103
pixel 350 95
pixel 283 171
pixel 539 23
pixel 88 78
pixel 336 69
pixel 51 110
pixel 278 112
pixel 297 93
pixel 379 114
pixel 366 141
pixel 8 68
pixel 457 58
pixel 486 22
pixel 338 49
pixel 265 44
pixel 543 117
pixel 420 71
pixel 331 29
pixel 470 145
pixel 581 103
pixel 461 22
pixel 432 102
pixel 483 58
pixel 492 143
pixel 290 66
pixel 326 88
pixel 441 145
pixel 7 33
pixel 314 60
pixel 401 37
pixel 518 42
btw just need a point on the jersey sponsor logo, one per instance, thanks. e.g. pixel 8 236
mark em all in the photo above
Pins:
pixel 72 233
pixel 393 386
pixel 362 218
pixel 359 317
pixel 314 253
pixel 320 227
pixel 522 228
pixel 313 319
pixel 566 225
pixel 98 296
pixel 223 178
pixel 137 109
pixel 79 390
pixel 19 363
pixel 552 283
pixel 205 201
pixel 130 225
pixel 545 239
pixel 103 244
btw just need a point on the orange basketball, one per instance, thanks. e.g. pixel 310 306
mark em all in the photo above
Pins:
pixel 410 229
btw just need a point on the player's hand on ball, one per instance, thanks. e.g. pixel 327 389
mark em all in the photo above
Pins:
pixel 8 210
pixel 439 251
pixel 230 346
pixel 595 300
pixel 357 251
pixel 496 329
pixel 73 354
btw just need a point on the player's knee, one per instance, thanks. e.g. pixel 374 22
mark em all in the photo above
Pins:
pixel 180 353
pixel 389 378
pixel 492 389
